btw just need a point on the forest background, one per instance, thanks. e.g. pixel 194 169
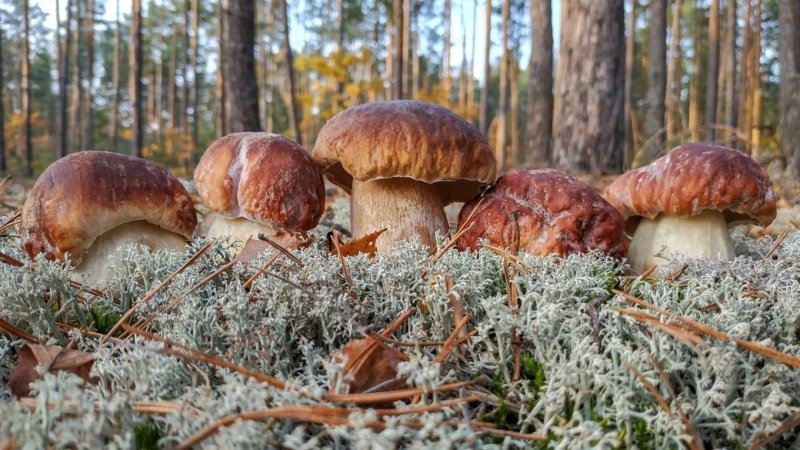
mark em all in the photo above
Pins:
pixel 627 80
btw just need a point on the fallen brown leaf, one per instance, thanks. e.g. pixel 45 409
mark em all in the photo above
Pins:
pixel 254 248
pixel 54 359
pixel 365 244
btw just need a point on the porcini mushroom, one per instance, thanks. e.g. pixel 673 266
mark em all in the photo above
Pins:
pixel 542 212
pixel 684 202
pixel 259 183
pixel 402 161
pixel 92 205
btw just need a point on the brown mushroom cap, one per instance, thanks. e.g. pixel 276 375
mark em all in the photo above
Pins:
pixel 693 178
pixel 555 213
pixel 85 194
pixel 405 138
pixel 263 177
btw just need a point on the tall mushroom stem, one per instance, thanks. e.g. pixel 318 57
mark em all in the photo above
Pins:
pixel 701 235
pixel 405 207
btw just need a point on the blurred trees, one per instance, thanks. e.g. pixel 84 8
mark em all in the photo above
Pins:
pixel 656 73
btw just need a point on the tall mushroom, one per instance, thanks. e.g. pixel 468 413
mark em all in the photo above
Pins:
pixel 92 205
pixel 684 202
pixel 402 161
pixel 542 212
pixel 259 183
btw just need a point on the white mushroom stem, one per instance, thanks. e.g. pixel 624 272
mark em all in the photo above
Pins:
pixel 239 229
pixel 701 235
pixel 108 250
pixel 406 208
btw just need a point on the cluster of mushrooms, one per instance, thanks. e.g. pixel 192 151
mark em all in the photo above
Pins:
pixel 401 162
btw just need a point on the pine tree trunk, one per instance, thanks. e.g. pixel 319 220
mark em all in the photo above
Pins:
pixel 471 69
pixel 513 84
pixel 487 71
pixel 63 86
pixel 26 89
pixel 539 128
pixel 656 80
pixel 172 92
pixel 694 83
pixel 3 154
pixel 90 76
pixel 729 70
pixel 398 54
pixel 588 126
pixel 294 120
pixel 406 47
pixel 389 58
pixel 446 85
pixel 415 66
pixel 673 97
pixel 243 82
pixel 502 154
pixel 628 144
pixel 158 100
pixel 185 67
pixel 789 19
pixel 713 70
pixel 756 77
pixel 136 88
pixel 222 79
pixel 195 133
pixel 77 93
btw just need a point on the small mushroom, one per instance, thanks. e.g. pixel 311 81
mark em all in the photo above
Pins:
pixel 684 202
pixel 542 212
pixel 92 205
pixel 259 183
pixel 402 161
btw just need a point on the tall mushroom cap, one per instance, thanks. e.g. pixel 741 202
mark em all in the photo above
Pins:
pixel 86 194
pixel 406 138
pixel 692 178
pixel 262 177
pixel 547 211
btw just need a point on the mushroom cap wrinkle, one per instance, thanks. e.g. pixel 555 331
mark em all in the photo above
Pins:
pixel 692 178
pixel 262 177
pixel 553 212
pixel 86 194
pixel 406 138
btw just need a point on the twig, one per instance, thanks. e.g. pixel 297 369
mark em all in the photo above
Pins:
pixel 280 248
pixel 10 260
pixel 459 233
pixel 260 271
pixel 16 332
pixel 775 245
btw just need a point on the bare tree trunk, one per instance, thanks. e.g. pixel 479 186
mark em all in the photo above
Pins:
pixel 398 55
pixel 195 80
pixel 446 85
pixel 673 97
pixel 243 82
pixel 172 92
pixel 694 83
pixel 743 85
pixel 222 81
pixel 540 85
pixel 588 126
pixel 502 154
pixel 90 76
pixel 294 120
pixel 630 41
pixel 789 19
pixel 137 98
pixel 389 59
pixel 340 44
pixel 487 71
pixel 3 154
pixel 513 80
pixel 415 66
pixel 26 89
pixel 406 46
pixel 77 93
pixel 63 85
pixel 185 67
pixel 471 65
pixel 729 70
pixel 713 69
pixel 158 100
pixel 656 80
pixel 756 77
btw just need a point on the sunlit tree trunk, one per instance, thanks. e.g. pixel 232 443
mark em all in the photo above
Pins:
pixel 471 65
pixel 389 94
pixel 90 75
pixel 222 82
pixel 243 82
pixel 63 85
pixel 656 80
pixel 673 97
pixel 172 92
pixel 729 68
pixel 446 86
pixel 539 128
pixel 26 89
pixel 588 128
pixel 294 120
pixel 513 84
pixel 185 67
pixel 694 83
pixel 502 157
pixel 713 69
pixel 406 47
pixel 487 71
pixel 756 81
pixel 340 43
pixel 398 64
pixel 3 154
pixel 629 139
pixel 136 89
pixel 158 101
pixel 789 19
pixel 415 64
pixel 195 78
pixel 743 84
